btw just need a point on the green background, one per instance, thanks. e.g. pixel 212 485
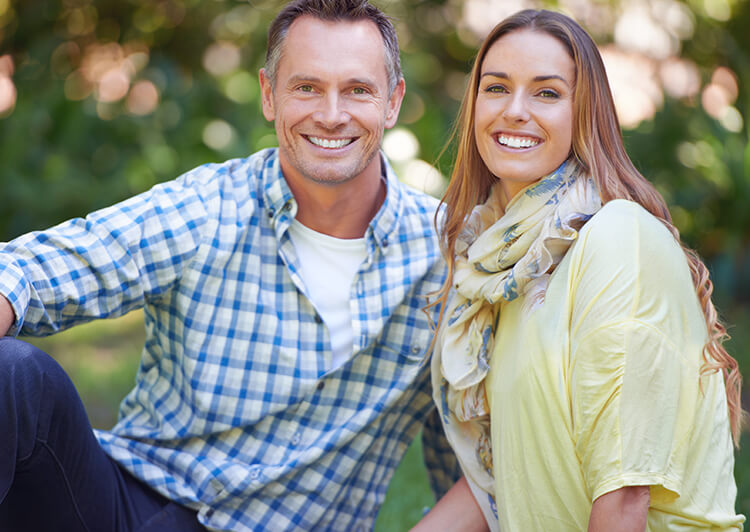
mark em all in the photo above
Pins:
pixel 110 97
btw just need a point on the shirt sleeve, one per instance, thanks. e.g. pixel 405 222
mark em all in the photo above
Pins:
pixel 105 264
pixel 637 334
pixel 442 466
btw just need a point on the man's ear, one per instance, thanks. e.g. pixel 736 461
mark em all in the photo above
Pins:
pixel 394 104
pixel 266 95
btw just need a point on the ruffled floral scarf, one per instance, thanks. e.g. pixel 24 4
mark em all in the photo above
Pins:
pixel 499 257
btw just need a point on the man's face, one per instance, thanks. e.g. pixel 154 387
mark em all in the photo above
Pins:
pixel 330 101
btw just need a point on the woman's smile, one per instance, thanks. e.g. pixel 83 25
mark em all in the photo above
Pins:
pixel 517 141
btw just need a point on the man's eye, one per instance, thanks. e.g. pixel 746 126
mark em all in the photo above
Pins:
pixel 359 90
pixel 305 88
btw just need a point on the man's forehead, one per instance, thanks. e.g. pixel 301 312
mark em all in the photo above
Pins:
pixel 310 27
pixel 318 46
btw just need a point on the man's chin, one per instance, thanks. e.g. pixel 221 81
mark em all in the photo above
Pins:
pixel 331 174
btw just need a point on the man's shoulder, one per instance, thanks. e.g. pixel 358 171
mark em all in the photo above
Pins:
pixel 232 169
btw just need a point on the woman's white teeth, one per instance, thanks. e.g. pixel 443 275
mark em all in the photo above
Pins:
pixel 517 142
pixel 330 143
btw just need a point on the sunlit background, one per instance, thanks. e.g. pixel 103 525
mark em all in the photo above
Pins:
pixel 101 99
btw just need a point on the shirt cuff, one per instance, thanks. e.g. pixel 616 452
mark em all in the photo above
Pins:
pixel 15 288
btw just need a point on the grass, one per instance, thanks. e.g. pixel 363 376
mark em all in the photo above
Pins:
pixel 102 359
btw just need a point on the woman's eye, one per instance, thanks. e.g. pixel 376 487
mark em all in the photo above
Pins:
pixel 496 89
pixel 548 93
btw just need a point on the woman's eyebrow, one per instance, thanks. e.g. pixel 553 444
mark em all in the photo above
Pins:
pixel 548 77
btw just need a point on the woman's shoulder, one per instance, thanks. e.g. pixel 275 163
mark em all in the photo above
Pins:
pixel 623 216
pixel 622 227
pixel 627 265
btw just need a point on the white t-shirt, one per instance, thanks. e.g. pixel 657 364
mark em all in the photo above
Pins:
pixel 328 266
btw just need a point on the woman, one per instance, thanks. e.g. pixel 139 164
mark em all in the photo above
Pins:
pixel 578 367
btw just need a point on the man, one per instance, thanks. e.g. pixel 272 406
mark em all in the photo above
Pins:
pixel 284 371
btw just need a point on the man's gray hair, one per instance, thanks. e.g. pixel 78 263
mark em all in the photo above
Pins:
pixel 335 11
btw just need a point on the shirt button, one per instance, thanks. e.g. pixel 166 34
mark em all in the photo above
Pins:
pixel 254 472
pixel 288 206
pixel 416 350
pixel 321 385
pixel 296 439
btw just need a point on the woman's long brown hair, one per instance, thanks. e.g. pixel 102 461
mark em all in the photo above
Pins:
pixel 597 144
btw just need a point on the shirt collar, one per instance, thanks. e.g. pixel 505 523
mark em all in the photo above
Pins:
pixel 279 201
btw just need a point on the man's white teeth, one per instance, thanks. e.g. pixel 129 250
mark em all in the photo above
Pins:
pixel 330 143
pixel 517 142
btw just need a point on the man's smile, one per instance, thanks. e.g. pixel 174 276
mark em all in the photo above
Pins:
pixel 330 143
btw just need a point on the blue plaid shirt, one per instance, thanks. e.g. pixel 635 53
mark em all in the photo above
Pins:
pixel 234 412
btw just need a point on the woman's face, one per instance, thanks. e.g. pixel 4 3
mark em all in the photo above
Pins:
pixel 523 120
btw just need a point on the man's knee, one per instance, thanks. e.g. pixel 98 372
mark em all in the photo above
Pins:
pixel 19 358
pixel 28 369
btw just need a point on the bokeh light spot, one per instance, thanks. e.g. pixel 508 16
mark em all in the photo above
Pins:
pixel 412 109
pixel 8 95
pixel 480 16
pixel 6 65
pixel 241 87
pixel 113 85
pixel 218 134
pixel 637 31
pixel 76 86
pixel 731 119
pixel 715 99
pixel 423 176
pixel 65 58
pixel 221 58
pixel 635 87
pixel 143 98
pixel 717 9
pixel 400 144
pixel 679 77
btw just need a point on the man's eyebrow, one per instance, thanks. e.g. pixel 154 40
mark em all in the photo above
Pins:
pixel 303 78
pixel 503 75
pixel 361 81
pixel 299 78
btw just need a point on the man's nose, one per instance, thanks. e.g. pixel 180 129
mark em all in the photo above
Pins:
pixel 331 111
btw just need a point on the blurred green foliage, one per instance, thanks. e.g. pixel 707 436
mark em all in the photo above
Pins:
pixel 71 145
pixel 113 96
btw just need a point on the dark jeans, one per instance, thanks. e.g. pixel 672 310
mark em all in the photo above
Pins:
pixel 54 476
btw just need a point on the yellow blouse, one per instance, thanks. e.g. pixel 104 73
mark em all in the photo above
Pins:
pixel 598 388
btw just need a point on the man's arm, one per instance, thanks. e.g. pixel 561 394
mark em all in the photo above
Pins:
pixel 458 511
pixel 111 261
pixel 622 510
pixel 439 459
pixel 7 316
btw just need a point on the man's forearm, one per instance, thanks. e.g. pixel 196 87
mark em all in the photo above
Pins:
pixel 7 316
